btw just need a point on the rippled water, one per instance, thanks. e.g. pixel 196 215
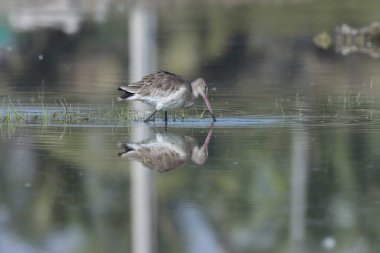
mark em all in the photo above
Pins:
pixel 291 164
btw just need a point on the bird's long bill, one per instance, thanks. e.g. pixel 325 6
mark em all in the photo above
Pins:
pixel 209 107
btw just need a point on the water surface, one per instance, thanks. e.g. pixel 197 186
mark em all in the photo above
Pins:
pixel 291 165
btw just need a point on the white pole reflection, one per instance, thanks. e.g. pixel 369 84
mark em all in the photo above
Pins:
pixel 142 51
pixel 198 232
pixel 298 197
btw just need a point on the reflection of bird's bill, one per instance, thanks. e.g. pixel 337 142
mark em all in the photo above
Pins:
pixel 209 134
pixel 199 155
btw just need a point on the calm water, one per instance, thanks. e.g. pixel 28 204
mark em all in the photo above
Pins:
pixel 291 165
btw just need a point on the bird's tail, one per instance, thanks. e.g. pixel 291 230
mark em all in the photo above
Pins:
pixel 126 95
pixel 127 148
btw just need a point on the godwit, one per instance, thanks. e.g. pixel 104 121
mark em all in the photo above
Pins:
pixel 167 151
pixel 166 91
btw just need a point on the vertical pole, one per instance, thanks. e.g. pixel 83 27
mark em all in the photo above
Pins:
pixel 298 197
pixel 142 52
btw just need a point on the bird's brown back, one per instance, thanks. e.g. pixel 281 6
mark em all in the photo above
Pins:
pixel 159 84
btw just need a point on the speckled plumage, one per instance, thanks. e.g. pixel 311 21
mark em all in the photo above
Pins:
pixel 166 91
pixel 161 88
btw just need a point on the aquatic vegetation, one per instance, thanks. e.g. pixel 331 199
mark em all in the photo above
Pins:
pixel 348 103
pixel 60 112
pixel 42 113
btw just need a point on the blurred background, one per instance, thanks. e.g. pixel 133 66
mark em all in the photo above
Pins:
pixel 292 164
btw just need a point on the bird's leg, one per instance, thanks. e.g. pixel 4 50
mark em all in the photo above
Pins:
pixel 166 117
pixel 150 116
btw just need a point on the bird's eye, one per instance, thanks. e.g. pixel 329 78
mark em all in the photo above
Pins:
pixel 206 89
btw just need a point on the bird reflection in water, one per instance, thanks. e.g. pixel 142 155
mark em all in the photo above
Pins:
pixel 166 151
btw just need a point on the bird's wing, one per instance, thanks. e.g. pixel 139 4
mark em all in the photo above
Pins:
pixel 159 156
pixel 158 84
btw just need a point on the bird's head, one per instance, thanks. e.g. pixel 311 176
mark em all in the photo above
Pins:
pixel 199 87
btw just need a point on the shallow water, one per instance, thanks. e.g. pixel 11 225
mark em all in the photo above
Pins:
pixel 263 187
pixel 291 164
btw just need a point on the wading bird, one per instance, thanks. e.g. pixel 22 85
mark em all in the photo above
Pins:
pixel 166 91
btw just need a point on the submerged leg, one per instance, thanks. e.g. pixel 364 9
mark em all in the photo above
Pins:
pixel 150 116
pixel 166 117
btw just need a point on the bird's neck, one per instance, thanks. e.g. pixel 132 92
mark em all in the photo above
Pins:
pixel 190 100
